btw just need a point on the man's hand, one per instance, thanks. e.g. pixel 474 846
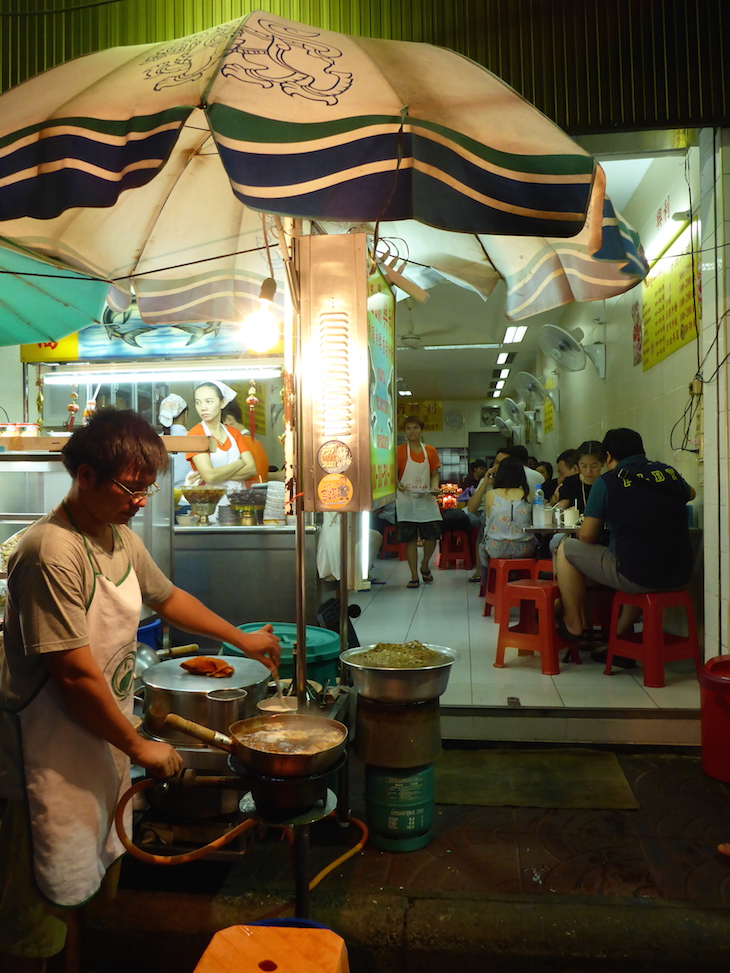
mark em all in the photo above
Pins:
pixel 262 645
pixel 590 530
pixel 159 758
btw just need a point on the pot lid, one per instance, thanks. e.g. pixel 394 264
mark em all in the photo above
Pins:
pixel 170 675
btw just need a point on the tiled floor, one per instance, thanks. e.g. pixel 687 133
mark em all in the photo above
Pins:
pixel 449 612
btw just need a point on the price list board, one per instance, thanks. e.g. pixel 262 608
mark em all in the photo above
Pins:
pixel 669 308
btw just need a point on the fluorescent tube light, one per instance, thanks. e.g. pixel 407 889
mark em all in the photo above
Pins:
pixel 404 392
pixel 514 334
pixel 496 395
pixel 504 373
pixel 160 374
pixel 502 358
pixel 499 385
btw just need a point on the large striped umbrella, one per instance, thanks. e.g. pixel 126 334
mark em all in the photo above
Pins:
pixel 149 166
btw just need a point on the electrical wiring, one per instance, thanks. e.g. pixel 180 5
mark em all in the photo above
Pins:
pixel 60 10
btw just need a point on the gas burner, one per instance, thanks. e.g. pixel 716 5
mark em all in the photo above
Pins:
pixel 279 799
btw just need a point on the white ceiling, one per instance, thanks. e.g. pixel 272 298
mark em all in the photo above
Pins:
pixel 455 315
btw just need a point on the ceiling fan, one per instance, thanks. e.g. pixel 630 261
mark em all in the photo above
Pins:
pixel 410 339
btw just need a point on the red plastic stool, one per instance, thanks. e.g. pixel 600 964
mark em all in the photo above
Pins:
pixel 498 575
pixel 544 566
pixel 455 545
pixel 390 545
pixel 535 630
pixel 653 647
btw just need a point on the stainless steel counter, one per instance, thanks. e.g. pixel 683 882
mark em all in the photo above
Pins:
pixel 245 574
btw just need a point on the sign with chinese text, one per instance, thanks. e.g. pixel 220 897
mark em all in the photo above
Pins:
pixel 431 413
pixel 670 298
pixel 381 356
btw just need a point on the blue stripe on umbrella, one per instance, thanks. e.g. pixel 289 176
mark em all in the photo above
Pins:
pixel 359 199
pixel 272 171
pixel 44 195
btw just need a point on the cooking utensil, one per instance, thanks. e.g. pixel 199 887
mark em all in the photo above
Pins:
pixel 399 685
pixel 214 702
pixel 146 656
pixel 261 761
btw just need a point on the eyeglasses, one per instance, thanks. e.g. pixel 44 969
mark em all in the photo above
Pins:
pixel 138 495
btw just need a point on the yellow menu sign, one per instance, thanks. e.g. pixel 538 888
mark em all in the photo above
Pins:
pixel 670 298
pixel 431 413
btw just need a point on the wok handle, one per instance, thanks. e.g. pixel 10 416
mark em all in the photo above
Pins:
pixel 178 650
pixel 200 732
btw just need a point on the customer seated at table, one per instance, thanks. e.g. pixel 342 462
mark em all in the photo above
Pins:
pixel 477 469
pixel 507 513
pixel 566 465
pixel 475 507
pixel 534 479
pixel 575 490
pixel 546 470
pixel 643 504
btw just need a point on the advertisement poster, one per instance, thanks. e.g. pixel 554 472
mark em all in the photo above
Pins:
pixel 381 357
pixel 125 336
pixel 670 309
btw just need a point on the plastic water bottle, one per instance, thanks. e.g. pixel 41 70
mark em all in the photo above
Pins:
pixel 538 508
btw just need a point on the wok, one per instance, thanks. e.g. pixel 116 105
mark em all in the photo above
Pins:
pixel 260 761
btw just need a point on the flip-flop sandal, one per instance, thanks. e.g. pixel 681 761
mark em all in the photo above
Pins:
pixel 413 584
pixel 474 580
pixel 427 577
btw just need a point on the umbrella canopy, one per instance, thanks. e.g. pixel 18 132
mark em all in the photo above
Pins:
pixel 143 165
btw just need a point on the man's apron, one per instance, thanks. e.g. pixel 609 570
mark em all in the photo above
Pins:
pixel 73 779
pixel 416 509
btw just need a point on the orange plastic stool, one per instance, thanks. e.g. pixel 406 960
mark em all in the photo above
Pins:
pixel 498 575
pixel 653 646
pixel 455 545
pixel 390 545
pixel 544 566
pixel 535 630
pixel 286 950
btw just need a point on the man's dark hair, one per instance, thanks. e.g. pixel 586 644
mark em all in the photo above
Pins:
pixel 622 442
pixel 417 419
pixel 475 464
pixel 114 441
pixel 511 475
pixel 570 457
pixel 519 452
pixel 232 409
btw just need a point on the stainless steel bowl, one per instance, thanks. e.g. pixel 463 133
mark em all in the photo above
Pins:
pixel 400 685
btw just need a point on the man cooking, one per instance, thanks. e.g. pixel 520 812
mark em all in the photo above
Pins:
pixel 643 505
pixel 76 584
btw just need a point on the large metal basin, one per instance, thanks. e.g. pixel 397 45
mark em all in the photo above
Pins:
pixel 399 685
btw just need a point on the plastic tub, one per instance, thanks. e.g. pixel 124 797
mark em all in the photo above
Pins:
pixel 714 679
pixel 323 650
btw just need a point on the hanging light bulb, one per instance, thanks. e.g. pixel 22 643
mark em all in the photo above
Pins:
pixel 261 329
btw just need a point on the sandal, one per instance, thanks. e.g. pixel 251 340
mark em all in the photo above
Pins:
pixel 427 576
pixel 474 580
pixel 413 584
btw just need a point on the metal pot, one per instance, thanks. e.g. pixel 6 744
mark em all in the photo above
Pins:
pixel 261 761
pixel 217 703
pixel 399 685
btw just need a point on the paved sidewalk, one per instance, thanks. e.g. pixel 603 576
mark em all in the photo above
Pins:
pixel 502 889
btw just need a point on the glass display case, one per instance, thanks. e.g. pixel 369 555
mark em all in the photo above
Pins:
pixel 33 483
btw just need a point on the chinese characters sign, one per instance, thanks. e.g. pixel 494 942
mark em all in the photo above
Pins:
pixel 431 413
pixel 669 306
pixel 381 356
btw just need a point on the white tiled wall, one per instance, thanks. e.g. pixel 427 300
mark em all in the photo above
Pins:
pixel 653 401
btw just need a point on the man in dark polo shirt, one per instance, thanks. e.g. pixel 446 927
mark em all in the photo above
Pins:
pixel 643 505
